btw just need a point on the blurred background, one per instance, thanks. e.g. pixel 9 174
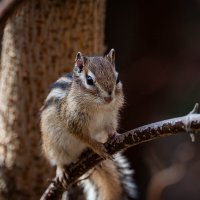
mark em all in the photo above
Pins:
pixel 157 47
pixel 158 56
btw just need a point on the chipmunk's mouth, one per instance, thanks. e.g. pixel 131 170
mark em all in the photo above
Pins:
pixel 104 100
pixel 108 99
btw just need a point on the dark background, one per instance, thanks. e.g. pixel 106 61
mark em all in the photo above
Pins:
pixel 157 47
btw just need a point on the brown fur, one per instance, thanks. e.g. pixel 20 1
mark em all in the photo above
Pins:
pixel 83 119
pixel 107 181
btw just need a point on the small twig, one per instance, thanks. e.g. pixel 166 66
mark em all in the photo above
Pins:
pixel 7 8
pixel 194 111
pixel 190 122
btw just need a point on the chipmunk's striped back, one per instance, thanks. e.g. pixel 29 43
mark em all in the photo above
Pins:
pixel 58 90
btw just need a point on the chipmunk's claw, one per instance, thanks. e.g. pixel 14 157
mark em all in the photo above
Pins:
pixel 102 151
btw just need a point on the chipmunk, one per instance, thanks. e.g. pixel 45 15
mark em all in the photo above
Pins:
pixel 81 111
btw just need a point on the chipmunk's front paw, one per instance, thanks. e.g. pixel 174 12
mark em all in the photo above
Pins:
pixel 62 177
pixel 102 151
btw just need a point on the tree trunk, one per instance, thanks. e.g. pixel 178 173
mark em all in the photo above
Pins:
pixel 39 44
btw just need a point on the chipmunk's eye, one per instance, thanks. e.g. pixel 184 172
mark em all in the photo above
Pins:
pixel 89 80
pixel 117 81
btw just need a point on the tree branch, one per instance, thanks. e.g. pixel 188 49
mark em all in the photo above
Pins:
pixel 186 124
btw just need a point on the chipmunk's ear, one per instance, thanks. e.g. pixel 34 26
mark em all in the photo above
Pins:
pixel 80 62
pixel 111 56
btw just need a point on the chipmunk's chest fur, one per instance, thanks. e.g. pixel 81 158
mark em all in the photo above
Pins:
pixel 67 147
pixel 96 119
pixel 100 121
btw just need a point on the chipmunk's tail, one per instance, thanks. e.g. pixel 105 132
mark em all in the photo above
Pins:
pixel 110 180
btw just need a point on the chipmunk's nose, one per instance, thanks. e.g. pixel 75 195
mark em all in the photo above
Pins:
pixel 109 92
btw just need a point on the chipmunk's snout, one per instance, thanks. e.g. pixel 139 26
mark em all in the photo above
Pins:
pixel 108 98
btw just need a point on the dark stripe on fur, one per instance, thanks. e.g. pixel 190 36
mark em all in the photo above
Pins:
pixel 50 102
pixel 68 75
pixel 62 85
pixel 127 192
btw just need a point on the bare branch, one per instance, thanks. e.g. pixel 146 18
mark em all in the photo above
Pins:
pixel 7 8
pixel 186 124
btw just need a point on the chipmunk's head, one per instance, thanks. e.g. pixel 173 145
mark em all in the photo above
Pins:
pixel 97 78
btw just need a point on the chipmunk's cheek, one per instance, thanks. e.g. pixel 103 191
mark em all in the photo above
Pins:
pixel 98 97
pixel 118 90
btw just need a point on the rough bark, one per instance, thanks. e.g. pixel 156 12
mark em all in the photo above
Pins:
pixel 39 44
